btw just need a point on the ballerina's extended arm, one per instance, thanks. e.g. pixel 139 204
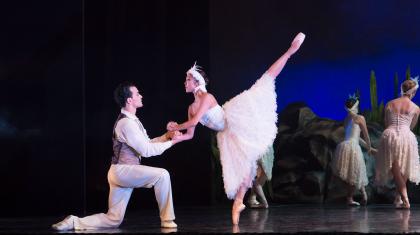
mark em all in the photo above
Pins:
pixel 363 127
pixel 190 131
pixel 193 120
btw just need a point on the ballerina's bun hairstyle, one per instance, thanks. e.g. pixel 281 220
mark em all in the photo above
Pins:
pixel 206 79
pixel 407 85
pixel 349 103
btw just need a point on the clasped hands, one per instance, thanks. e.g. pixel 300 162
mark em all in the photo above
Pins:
pixel 171 126
pixel 172 133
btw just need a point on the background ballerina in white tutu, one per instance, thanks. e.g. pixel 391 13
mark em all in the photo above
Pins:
pixel 257 197
pixel 398 155
pixel 348 163
pixel 246 125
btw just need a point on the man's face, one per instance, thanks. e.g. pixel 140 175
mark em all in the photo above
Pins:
pixel 136 98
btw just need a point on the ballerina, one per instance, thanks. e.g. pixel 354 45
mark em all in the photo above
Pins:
pixel 239 143
pixel 264 173
pixel 398 155
pixel 348 162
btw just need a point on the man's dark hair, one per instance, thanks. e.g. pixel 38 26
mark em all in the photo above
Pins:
pixel 122 93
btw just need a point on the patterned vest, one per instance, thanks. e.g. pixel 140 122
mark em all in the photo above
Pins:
pixel 123 154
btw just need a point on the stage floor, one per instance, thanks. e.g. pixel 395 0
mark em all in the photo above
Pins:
pixel 276 219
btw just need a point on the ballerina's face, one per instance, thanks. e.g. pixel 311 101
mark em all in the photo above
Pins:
pixel 190 83
pixel 414 93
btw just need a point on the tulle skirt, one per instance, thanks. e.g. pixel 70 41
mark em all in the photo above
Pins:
pixel 349 165
pixel 400 146
pixel 250 128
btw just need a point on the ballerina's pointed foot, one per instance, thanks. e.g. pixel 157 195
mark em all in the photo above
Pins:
pixel 404 205
pixel 352 203
pixel 236 212
pixel 297 42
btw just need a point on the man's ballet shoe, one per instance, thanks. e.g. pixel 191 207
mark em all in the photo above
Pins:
pixel 236 212
pixel 66 224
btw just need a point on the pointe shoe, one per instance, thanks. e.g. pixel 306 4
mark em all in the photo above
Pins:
pixel 235 229
pixel 296 43
pixel 402 206
pixel 398 203
pixel 353 203
pixel 252 200
pixel 236 212
pixel 405 204
pixel 66 224
pixel 259 206
pixel 168 224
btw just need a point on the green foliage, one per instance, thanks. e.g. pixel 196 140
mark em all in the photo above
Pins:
pixel 373 93
pixel 358 94
pixel 396 86
pixel 375 114
pixel 408 73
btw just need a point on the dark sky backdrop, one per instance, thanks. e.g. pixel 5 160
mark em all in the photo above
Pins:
pixel 345 41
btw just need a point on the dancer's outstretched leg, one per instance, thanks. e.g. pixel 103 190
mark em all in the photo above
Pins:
pixel 278 66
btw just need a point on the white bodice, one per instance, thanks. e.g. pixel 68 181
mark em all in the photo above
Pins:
pixel 214 118
pixel 352 131
pixel 399 121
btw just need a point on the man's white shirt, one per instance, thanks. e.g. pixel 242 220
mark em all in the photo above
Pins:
pixel 130 131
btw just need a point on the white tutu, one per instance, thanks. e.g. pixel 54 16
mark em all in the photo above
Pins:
pixel 401 146
pixel 349 165
pixel 250 128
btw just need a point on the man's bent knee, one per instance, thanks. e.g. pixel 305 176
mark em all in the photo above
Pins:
pixel 165 174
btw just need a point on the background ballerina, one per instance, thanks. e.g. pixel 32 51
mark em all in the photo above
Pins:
pixel 398 155
pixel 348 163
pixel 257 197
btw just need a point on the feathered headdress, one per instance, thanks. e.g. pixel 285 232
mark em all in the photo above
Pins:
pixel 195 73
pixel 412 90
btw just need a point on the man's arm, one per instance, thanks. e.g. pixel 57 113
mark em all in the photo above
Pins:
pixel 169 135
pixel 135 138
pixel 161 138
